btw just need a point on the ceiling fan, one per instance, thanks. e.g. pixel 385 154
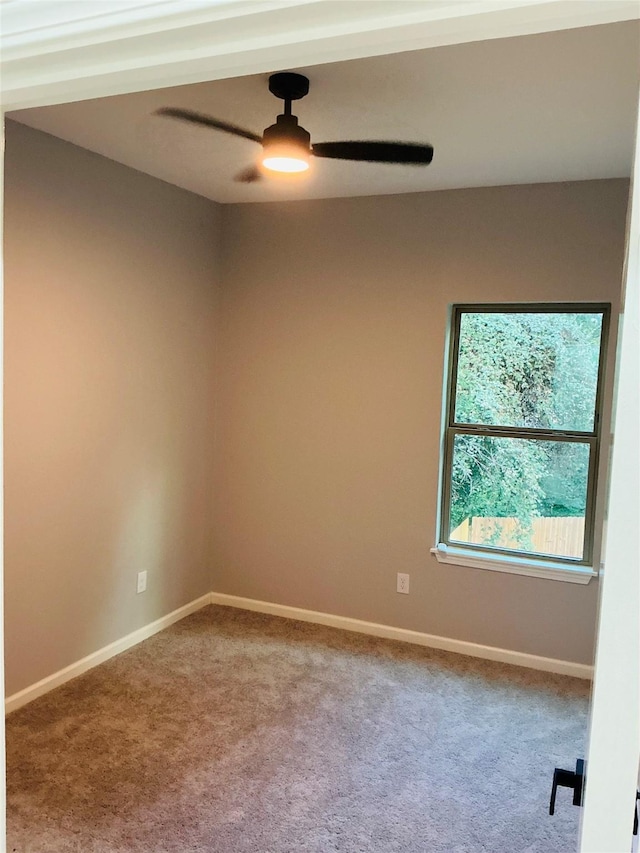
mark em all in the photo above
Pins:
pixel 286 146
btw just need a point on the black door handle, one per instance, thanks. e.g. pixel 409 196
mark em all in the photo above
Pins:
pixel 573 779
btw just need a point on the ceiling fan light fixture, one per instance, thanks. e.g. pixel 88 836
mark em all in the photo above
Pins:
pixel 286 146
pixel 285 158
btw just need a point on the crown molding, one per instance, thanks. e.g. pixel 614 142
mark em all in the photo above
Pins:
pixel 56 51
pixel 33 29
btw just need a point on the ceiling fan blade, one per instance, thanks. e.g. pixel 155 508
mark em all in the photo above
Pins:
pixel 376 152
pixel 249 175
pixel 207 121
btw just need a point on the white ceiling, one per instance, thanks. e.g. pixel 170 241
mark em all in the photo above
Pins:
pixel 548 107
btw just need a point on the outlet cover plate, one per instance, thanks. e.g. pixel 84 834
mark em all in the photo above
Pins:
pixel 142 582
pixel 403 583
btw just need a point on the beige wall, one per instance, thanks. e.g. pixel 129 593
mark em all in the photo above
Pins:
pixel 333 318
pixel 111 287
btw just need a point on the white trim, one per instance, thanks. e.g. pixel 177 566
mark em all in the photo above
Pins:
pixel 3 786
pixel 150 45
pixel 614 738
pixel 17 700
pixel 513 565
pixel 461 647
pixel 30 29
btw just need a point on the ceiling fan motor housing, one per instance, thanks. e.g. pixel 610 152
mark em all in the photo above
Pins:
pixel 288 85
pixel 287 131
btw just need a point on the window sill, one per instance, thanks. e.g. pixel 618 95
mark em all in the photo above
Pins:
pixel 513 565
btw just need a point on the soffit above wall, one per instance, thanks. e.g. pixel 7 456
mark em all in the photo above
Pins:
pixel 55 51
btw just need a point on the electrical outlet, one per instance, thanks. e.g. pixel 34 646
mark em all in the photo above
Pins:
pixel 142 582
pixel 403 583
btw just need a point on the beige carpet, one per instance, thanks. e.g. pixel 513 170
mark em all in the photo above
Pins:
pixel 233 732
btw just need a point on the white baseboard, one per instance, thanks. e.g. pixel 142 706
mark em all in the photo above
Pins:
pixel 462 647
pixel 17 700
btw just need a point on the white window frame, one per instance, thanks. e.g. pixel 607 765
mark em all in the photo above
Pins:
pixel 504 559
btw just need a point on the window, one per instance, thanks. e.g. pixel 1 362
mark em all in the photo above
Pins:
pixel 521 438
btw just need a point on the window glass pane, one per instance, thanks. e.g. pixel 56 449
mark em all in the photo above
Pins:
pixel 537 370
pixel 519 493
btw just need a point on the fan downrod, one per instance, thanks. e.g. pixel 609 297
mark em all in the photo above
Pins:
pixel 288 86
